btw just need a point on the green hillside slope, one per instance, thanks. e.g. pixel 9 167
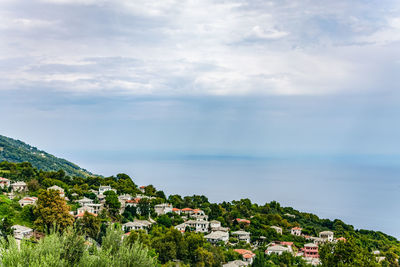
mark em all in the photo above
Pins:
pixel 17 151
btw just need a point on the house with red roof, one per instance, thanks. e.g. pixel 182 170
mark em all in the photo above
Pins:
pixel 247 255
pixel 27 201
pixel 4 182
pixel 244 221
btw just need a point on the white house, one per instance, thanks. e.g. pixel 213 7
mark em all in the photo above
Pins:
pixel 57 188
pixel 27 201
pixel 277 229
pixel 236 263
pixel 326 235
pixel 296 231
pixel 19 187
pixel 4 182
pixel 277 249
pixel 136 225
pixel 21 232
pixel 217 236
pixel 242 236
pixel 105 188
pixel 85 208
pixel 198 226
pixel 96 207
pixel 215 224
pixel 164 208
pixel 84 201
pixel 181 227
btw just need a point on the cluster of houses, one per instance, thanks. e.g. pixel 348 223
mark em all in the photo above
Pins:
pixel 194 219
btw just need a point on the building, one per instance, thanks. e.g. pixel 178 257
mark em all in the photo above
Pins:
pixel 176 210
pixel 96 207
pixel 142 189
pixel 310 250
pixel 217 236
pixel 326 235
pixel 198 226
pixel 85 209
pixel 181 227
pixel 27 201
pixel 21 232
pixel 105 188
pixel 136 225
pixel 242 236
pixel 215 224
pixel 4 182
pixel 277 249
pixel 236 263
pixel 164 208
pixel 277 229
pixel 296 231
pixel 19 187
pixel 187 211
pixel 57 188
pixel 84 201
pixel 247 255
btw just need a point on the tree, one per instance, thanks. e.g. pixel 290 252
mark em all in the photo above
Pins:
pixel 164 220
pixel 89 225
pixel 144 207
pixel 52 210
pixel 33 185
pixel 345 254
pixel 112 203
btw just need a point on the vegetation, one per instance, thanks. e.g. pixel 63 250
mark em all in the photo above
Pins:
pixel 17 151
pixel 70 249
pixel 96 240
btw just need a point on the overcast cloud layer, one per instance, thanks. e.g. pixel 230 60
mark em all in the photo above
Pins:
pixel 199 47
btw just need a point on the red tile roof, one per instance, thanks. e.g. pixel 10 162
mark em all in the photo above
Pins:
pixel 175 209
pixel 242 220
pixel 80 215
pixel 187 209
pixel 245 253
pixel 296 228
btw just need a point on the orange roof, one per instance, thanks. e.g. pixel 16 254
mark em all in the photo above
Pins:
pixel 80 215
pixel 143 186
pixel 296 228
pixel 341 239
pixel 242 220
pixel 128 233
pixel 285 243
pixel 135 200
pixel 186 209
pixel 4 179
pixel 248 256
pixel 243 251
pixel 175 209
pixel 196 210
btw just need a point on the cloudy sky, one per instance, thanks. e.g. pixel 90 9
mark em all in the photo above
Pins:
pixel 254 78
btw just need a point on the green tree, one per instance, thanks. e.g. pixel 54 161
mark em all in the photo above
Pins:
pixel 89 225
pixel 112 203
pixel 52 210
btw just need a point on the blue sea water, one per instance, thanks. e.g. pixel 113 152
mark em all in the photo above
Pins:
pixel 360 190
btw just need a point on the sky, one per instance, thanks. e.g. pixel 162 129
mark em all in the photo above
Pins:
pixel 98 78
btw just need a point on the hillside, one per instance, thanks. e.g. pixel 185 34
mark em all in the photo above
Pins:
pixel 17 151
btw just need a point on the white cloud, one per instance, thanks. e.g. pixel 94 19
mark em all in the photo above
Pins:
pixel 196 47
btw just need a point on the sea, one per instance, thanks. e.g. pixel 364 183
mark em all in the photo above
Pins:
pixel 363 191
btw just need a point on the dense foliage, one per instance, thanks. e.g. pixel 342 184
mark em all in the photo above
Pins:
pixel 17 151
pixel 163 242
